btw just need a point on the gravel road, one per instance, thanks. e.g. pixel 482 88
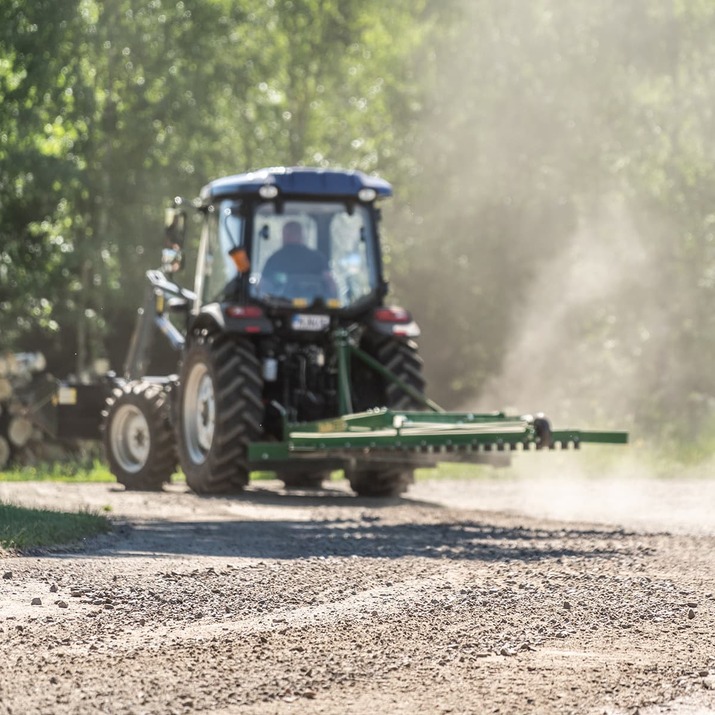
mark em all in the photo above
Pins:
pixel 541 593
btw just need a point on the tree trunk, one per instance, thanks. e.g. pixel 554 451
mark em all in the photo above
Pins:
pixel 4 452
pixel 19 431
pixel 5 389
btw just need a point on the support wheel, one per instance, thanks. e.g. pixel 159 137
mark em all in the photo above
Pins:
pixel 304 480
pixel 220 413
pixel 383 482
pixel 138 439
pixel 542 428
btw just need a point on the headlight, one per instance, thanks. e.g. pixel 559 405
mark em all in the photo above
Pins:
pixel 268 191
pixel 367 194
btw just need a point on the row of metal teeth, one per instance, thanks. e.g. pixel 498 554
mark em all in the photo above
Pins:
pixel 498 446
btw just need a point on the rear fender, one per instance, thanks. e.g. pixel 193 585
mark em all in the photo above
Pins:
pixel 209 320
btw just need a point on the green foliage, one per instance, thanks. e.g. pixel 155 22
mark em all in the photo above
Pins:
pixel 23 528
pixel 110 109
pixel 553 227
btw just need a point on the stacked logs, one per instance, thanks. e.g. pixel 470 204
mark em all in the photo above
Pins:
pixel 27 415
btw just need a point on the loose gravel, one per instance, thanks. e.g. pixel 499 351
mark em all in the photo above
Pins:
pixel 458 598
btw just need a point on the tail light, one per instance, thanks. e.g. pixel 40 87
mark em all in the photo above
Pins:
pixel 251 317
pixel 392 315
pixel 244 311
pixel 395 321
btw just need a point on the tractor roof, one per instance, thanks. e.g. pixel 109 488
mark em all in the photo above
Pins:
pixel 297 181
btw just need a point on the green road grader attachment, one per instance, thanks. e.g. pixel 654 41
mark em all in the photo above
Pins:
pixel 421 437
pixel 410 437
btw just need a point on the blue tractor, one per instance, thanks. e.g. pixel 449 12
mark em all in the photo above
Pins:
pixel 289 267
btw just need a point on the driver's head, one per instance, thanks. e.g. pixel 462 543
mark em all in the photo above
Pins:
pixel 292 233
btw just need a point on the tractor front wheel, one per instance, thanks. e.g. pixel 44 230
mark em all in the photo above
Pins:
pixel 138 439
pixel 220 413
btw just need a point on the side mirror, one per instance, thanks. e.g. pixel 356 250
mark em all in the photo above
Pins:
pixel 175 226
pixel 172 258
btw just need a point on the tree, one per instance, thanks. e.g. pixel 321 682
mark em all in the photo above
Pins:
pixel 113 108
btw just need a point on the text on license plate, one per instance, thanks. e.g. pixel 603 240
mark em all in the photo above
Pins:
pixel 302 321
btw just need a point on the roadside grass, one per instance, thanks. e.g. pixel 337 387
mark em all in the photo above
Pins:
pixel 70 471
pixel 693 452
pixel 78 473
pixel 25 528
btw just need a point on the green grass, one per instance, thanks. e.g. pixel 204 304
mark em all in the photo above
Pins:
pixel 23 528
pixel 693 452
pixel 95 471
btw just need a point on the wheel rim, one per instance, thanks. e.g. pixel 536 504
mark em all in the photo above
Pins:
pixel 131 441
pixel 199 413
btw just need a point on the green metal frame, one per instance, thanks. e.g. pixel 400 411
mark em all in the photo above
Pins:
pixel 345 350
pixel 445 436
pixel 414 437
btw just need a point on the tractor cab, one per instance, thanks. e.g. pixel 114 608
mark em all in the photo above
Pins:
pixel 287 240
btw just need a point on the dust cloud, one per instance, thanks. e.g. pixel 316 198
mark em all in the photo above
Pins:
pixel 595 485
pixel 542 278
pixel 589 319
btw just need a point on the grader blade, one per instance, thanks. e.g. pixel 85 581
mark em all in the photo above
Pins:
pixel 421 437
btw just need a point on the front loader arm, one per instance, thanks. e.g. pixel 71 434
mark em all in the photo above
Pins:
pixel 152 316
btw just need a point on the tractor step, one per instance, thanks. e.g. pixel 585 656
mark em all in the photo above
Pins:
pixel 387 435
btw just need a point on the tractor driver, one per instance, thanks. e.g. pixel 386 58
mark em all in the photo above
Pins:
pixel 294 265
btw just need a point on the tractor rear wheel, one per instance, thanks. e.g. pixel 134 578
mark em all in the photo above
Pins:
pixel 138 439
pixel 220 413
pixel 400 357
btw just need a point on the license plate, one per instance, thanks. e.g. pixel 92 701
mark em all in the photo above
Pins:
pixel 302 321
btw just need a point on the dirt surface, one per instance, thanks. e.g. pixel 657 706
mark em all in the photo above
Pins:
pixel 537 595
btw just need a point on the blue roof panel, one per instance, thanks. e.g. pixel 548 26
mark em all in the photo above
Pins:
pixel 303 181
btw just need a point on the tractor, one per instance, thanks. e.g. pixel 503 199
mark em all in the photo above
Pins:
pixel 289 358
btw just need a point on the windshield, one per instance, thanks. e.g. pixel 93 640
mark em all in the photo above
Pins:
pixel 313 251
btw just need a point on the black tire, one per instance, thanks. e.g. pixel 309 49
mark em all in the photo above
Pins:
pixel 220 409
pixel 542 427
pixel 137 435
pixel 382 482
pixel 304 480
pixel 401 358
pixel 371 390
